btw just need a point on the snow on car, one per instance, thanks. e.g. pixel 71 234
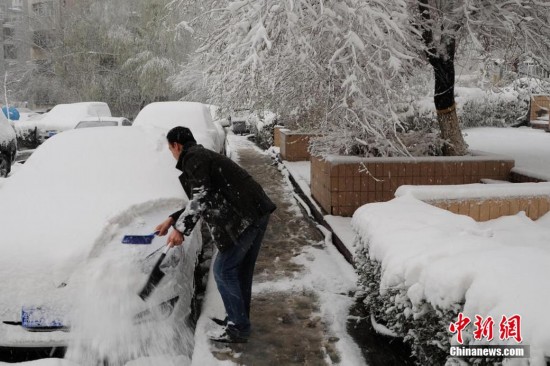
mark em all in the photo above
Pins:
pixel 8 145
pixel 63 117
pixel 62 220
pixel 103 122
pixel 195 116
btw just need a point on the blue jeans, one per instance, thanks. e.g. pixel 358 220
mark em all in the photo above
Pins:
pixel 233 271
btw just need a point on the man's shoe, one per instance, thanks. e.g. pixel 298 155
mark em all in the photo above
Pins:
pixel 221 322
pixel 228 338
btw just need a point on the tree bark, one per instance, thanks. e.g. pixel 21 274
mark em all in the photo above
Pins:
pixel 445 106
pixel 442 61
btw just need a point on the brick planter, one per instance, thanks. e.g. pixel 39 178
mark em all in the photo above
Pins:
pixel 489 209
pixel 277 135
pixel 294 145
pixel 340 185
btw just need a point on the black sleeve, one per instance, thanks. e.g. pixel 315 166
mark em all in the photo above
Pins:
pixel 199 172
pixel 176 215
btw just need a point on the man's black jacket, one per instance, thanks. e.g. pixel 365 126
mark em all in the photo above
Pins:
pixel 221 192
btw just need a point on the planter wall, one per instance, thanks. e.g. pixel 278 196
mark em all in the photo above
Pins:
pixel 294 145
pixel 340 185
pixel 277 135
pixel 538 102
pixel 489 209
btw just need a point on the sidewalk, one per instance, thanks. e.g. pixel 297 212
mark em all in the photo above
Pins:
pixel 303 288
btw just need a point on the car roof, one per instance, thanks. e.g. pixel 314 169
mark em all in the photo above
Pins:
pixel 117 119
pixel 83 185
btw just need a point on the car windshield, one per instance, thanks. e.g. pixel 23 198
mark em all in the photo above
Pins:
pixel 85 124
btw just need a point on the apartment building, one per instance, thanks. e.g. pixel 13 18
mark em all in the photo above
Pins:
pixel 28 29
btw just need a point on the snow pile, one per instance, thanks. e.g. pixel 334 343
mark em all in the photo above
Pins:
pixel 452 263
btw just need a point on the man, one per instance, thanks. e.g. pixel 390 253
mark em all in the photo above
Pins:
pixel 236 210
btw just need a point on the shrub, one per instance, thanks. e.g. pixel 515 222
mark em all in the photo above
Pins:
pixel 262 128
pixel 423 327
pixel 494 111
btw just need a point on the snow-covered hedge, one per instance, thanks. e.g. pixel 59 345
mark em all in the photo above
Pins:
pixel 263 129
pixel 421 326
pixel 494 110
pixel 420 266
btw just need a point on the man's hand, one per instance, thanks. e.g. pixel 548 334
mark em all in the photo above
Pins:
pixel 175 238
pixel 164 226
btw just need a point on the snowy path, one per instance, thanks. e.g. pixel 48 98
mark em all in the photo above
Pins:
pixel 300 295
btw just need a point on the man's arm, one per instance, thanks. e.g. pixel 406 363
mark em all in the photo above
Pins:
pixel 198 171
pixel 192 212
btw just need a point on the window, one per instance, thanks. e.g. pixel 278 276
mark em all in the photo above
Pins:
pixel 42 39
pixel 42 8
pixel 10 52
pixel 8 33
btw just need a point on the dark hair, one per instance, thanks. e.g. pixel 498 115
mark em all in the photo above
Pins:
pixel 181 135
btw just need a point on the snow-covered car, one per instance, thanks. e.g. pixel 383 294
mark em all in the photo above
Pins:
pixel 63 117
pixel 241 121
pixel 103 122
pixel 8 146
pixel 26 114
pixel 62 220
pixel 195 116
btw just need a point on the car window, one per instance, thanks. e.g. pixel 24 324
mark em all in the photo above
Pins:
pixel 126 123
pixel 86 124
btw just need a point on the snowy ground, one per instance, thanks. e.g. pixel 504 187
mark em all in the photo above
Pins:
pixel 529 147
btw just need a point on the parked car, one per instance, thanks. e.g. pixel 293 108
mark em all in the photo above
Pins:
pixel 60 118
pixel 103 122
pixel 8 146
pixel 196 116
pixel 245 121
pixel 63 217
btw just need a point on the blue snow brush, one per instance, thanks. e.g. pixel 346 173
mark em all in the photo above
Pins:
pixel 139 239
pixel 40 319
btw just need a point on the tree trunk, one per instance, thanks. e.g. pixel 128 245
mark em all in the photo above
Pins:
pixel 445 106
pixel 442 56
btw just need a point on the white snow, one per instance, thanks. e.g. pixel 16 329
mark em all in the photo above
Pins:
pixel 341 226
pixel 66 116
pixel 62 219
pixel 73 187
pixel 497 268
pixel 477 190
pixel 529 147
pixel 7 133
pixel 195 116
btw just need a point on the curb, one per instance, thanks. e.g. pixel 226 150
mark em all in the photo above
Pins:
pixel 318 216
